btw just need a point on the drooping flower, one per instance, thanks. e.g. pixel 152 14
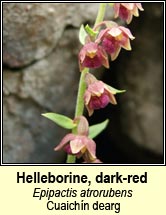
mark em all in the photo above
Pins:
pixel 126 11
pixel 97 94
pixel 92 55
pixel 115 38
pixel 79 144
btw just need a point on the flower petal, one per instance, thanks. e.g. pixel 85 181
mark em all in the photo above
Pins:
pixel 101 35
pixel 115 31
pixel 129 18
pixel 90 47
pixel 83 125
pixel 91 147
pixel 111 95
pixel 115 54
pixel 64 141
pixel 139 5
pixel 129 6
pixel 90 110
pixel 127 32
pixel 116 9
pixel 87 97
pixel 96 89
pixel 104 57
pixel 135 11
pixel 126 45
pixel 89 78
pixel 82 55
pixel 76 145
pixel 112 99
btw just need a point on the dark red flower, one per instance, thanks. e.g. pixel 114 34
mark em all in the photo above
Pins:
pixel 92 55
pixel 97 94
pixel 126 11
pixel 115 38
pixel 79 144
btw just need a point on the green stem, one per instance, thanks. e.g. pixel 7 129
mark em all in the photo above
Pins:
pixel 101 13
pixel 79 107
pixel 71 159
pixel 81 89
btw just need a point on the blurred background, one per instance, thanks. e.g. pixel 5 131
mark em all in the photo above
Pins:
pixel 41 74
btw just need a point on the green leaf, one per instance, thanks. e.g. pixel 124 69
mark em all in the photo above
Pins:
pixel 114 90
pixel 90 31
pixel 82 35
pixel 94 130
pixel 60 120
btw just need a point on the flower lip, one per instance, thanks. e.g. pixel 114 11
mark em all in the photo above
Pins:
pixel 99 102
pixel 91 53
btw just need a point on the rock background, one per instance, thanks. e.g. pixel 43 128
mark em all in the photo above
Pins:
pixel 40 47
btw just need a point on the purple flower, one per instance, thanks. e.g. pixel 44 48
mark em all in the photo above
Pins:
pixel 97 95
pixel 92 56
pixel 126 10
pixel 79 144
pixel 114 38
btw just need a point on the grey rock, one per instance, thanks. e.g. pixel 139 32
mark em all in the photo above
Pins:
pixel 46 86
pixel 32 30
